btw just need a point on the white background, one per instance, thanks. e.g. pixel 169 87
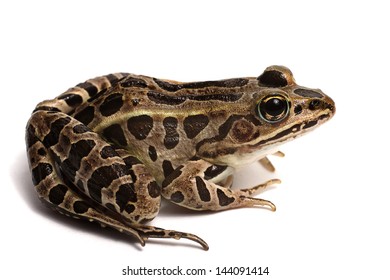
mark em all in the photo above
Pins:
pixel 332 220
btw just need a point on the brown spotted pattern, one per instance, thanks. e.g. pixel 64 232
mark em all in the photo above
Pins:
pixel 109 148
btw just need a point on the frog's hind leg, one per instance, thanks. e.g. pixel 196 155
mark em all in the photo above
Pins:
pixel 80 175
pixel 56 194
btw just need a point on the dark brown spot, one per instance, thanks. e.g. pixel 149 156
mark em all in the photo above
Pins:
pixel 308 93
pixel 226 97
pixel 291 130
pixel 71 99
pixel 172 176
pixel 55 131
pixel 63 142
pixel 110 206
pixel 213 171
pixel 152 153
pixel 80 185
pixel 154 189
pixel 86 115
pixel 31 138
pixel 177 197
pixel 102 177
pixel 77 151
pixel 134 177
pixel 97 95
pixel 129 208
pixel 114 134
pixel 80 128
pixel 162 98
pixel 42 152
pixel 40 172
pixel 57 194
pixel 223 199
pixel 131 160
pixel 133 82
pixel 167 168
pixel 223 130
pixel 203 192
pixel 124 195
pixel 80 207
pixel 158 232
pixel 273 78
pixel 193 125
pixel 108 152
pixel 113 79
pixel 171 138
pixel 310 124
pixel 227 125
pixel 229 83
pixel 111 105
pixel 169 99
pixel 140 126
pixel 89 87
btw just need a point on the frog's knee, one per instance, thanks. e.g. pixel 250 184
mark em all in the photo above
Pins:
pixel 144 204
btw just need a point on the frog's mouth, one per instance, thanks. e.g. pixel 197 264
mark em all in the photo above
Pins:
pixel 245 154
pixel 292 132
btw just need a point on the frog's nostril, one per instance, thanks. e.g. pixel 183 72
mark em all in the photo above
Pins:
pixel 298 109
pixel 314 104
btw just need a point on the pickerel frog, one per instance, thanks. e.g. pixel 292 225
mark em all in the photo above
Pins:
pixel 108 149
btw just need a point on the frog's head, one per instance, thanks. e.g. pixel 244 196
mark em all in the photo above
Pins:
pixel 277 111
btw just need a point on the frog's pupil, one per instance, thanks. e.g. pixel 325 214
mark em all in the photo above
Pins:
pixel 275 107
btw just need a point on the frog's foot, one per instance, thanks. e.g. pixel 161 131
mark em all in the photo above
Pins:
pixel 247 201
pixel 251 201
pixel 267 164
pixel 153 232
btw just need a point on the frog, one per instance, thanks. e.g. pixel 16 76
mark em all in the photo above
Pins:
pixel 109 149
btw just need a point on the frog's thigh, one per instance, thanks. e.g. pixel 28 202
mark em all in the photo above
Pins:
pixel 186 186
pixel 55 193
pixel 93 167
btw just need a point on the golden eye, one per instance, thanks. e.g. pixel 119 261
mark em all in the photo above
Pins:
pixel 273 108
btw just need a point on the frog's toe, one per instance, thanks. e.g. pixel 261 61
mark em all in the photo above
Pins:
pixel 261 187
pixel 154 232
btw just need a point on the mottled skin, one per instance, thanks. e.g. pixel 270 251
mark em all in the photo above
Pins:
pixel 109 148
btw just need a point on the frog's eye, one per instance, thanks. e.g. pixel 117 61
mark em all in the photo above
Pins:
pixel 273 108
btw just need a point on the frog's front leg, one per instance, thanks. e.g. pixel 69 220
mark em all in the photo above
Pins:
pixel 267 164
pixel 187 186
